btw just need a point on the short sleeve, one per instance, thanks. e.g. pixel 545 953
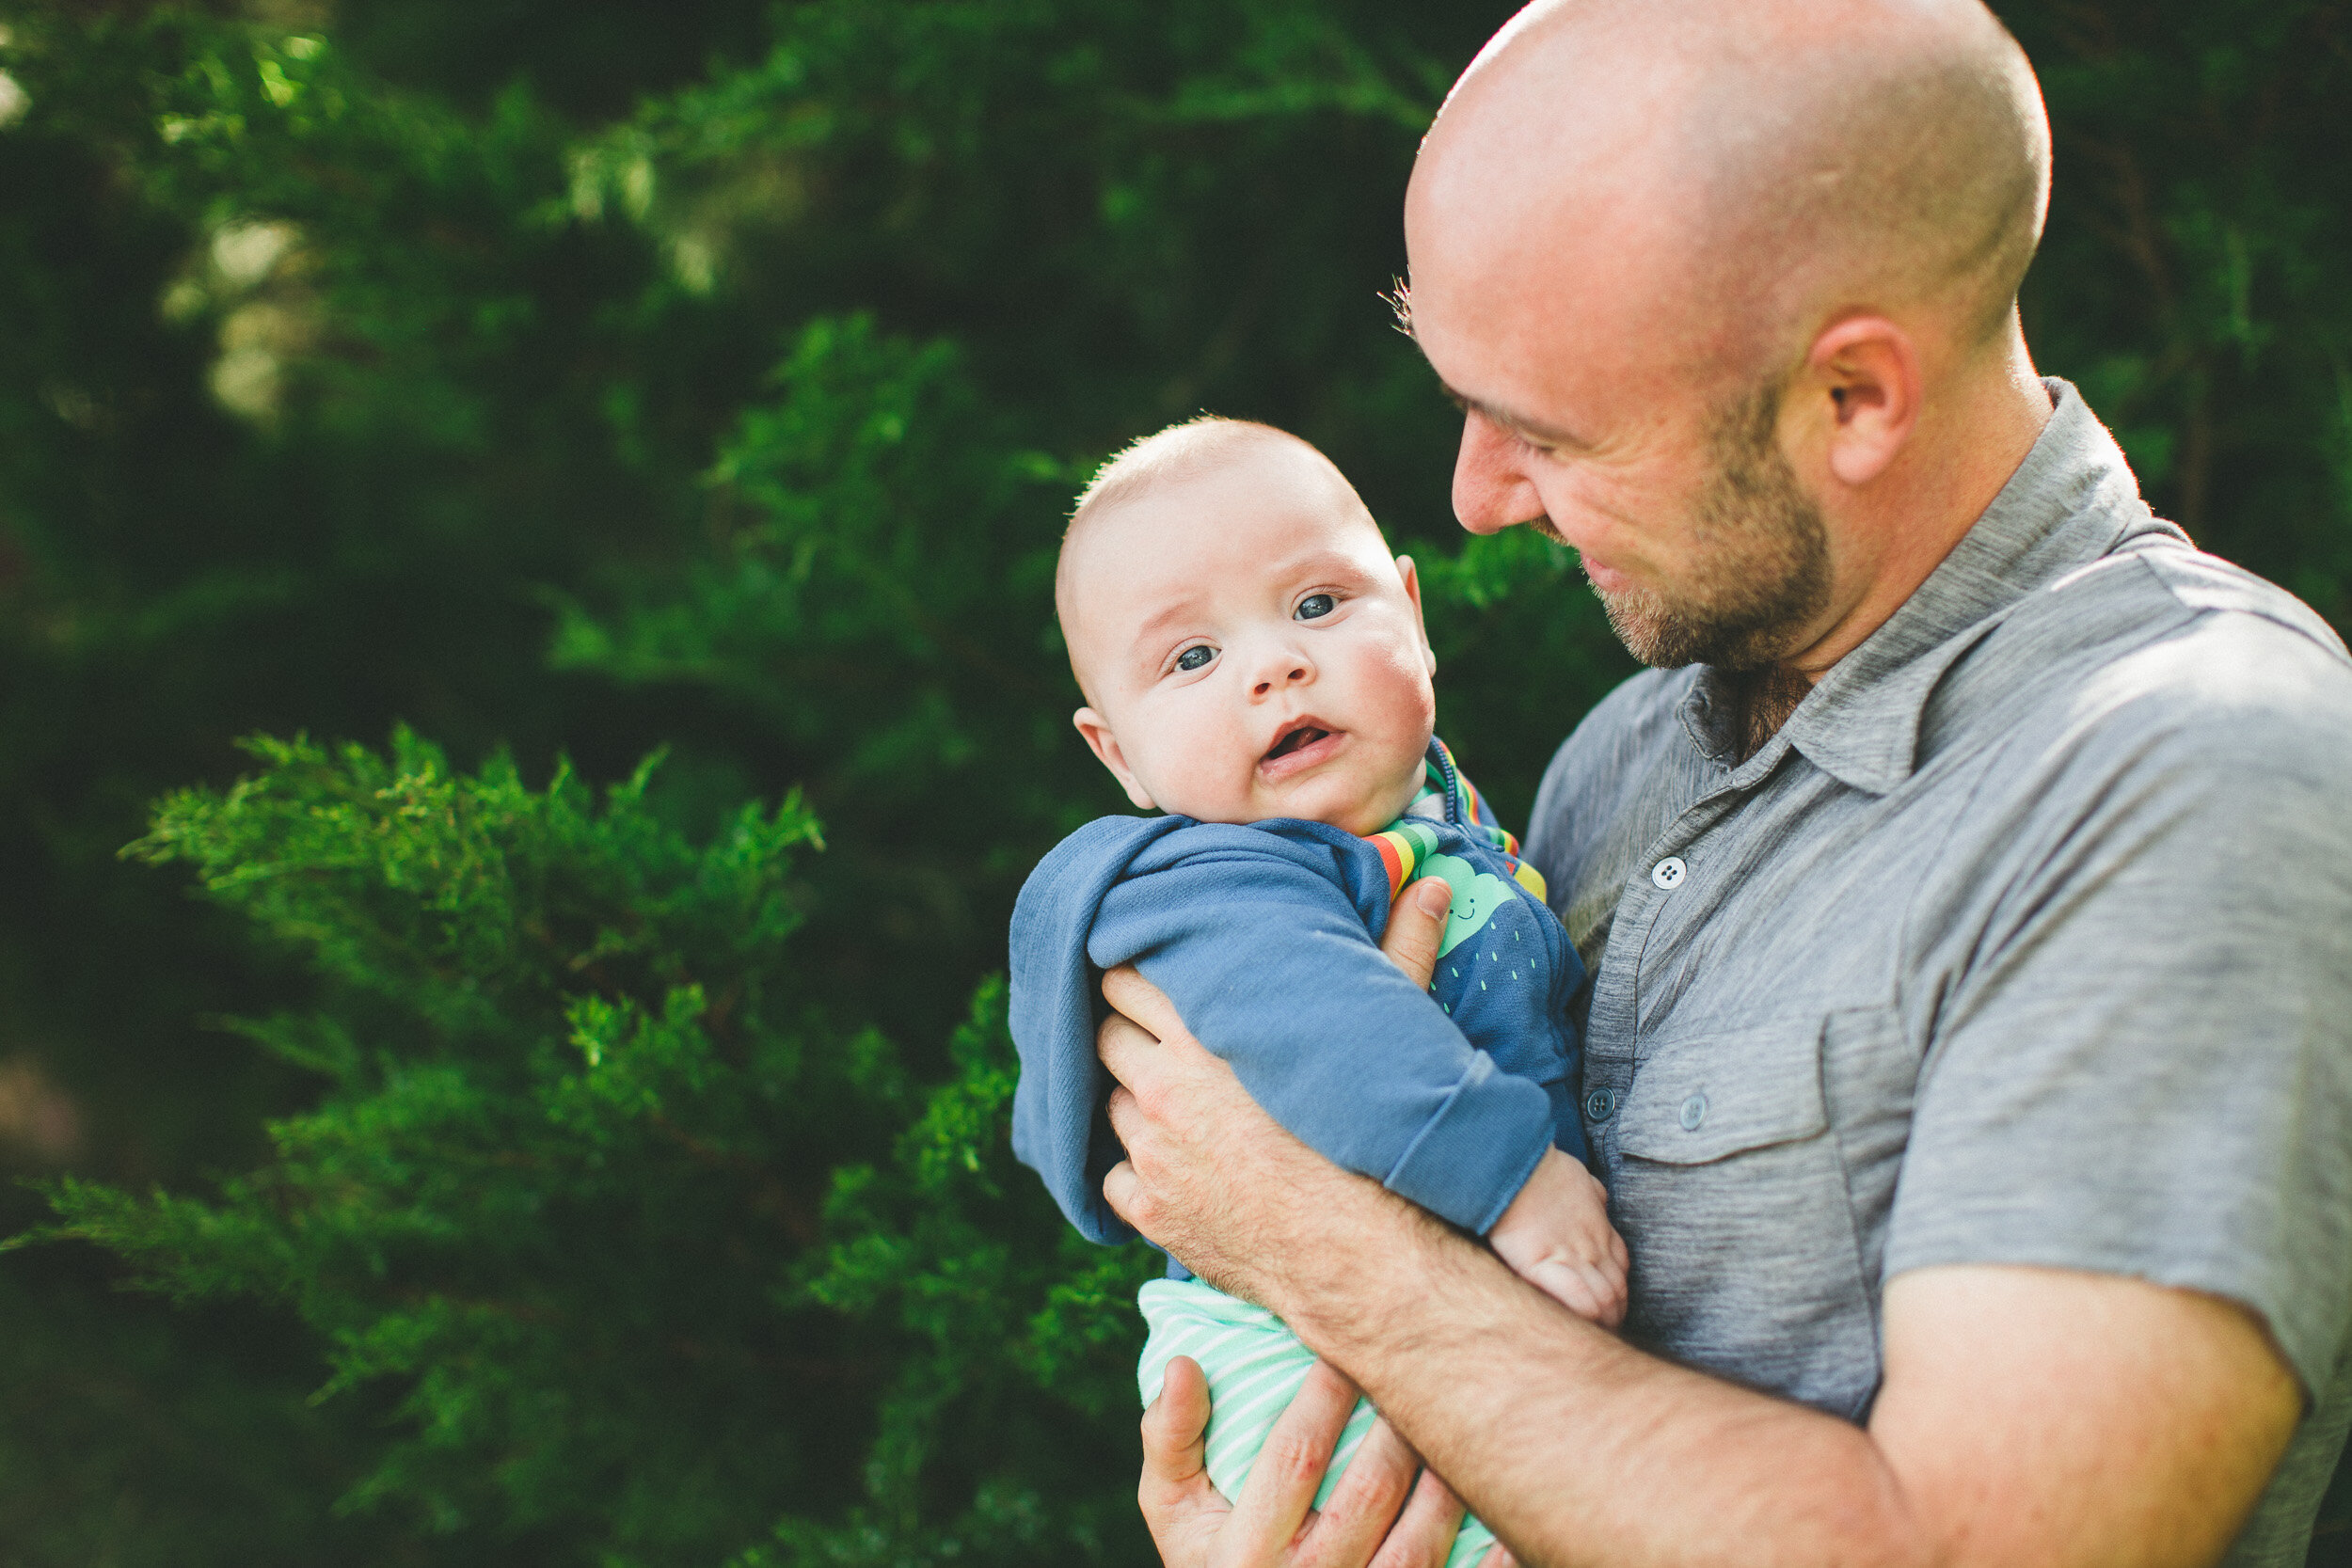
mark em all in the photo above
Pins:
pixel 2142 1064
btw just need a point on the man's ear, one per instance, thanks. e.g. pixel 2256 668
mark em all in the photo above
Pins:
pixel 1413 590
pixel 1866 385
pixel 1104 744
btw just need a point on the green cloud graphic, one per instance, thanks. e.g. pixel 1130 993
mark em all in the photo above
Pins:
pixel 1476 897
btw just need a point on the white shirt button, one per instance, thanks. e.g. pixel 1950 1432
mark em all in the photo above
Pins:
pixel 1668 873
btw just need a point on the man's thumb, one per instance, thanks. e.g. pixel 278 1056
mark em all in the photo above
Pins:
pixel 1417 926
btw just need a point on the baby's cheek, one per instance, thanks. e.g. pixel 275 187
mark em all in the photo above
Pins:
pixel 1400 689
pixel 1206 770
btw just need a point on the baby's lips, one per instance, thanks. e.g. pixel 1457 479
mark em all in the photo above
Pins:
pixel 1303 757
pixel 1290 727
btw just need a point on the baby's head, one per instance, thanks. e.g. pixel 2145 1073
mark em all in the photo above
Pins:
pixel 1247 645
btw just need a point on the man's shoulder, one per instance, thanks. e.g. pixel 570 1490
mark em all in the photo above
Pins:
pixel 2155 587
pixel 2164 648
pixel 2208 585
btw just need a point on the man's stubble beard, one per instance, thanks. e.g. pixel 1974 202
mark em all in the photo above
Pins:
pixel 1761 558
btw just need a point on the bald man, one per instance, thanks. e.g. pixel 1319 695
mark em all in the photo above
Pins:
pixel 1968 891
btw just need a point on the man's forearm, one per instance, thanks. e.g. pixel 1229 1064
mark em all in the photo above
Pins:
pixel 2026 1416
pixel 1572 1445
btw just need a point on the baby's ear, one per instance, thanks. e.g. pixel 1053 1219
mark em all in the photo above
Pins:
pixel 1104 744
pixel 1413 590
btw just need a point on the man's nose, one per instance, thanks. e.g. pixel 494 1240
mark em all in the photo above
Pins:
pixel 1491 488
pixel 1281 666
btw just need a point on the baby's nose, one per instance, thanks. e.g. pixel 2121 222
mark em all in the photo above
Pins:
pixel 1283 676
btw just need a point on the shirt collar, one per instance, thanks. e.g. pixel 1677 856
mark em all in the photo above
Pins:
pixel 2072 500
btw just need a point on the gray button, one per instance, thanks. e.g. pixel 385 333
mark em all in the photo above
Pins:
pixel 1668 873
pixel 1694 1111
pixel 1601 1105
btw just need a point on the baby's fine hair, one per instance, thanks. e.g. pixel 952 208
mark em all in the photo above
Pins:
pixel 1170 456
pixel 1178 451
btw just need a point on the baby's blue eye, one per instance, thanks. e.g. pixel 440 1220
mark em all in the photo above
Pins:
pixel 1314 606
pixel 1195 656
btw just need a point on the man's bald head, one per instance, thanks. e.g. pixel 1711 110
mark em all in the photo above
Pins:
pixel 1749 168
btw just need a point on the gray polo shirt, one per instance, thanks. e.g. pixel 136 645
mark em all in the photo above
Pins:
pixel 2026 941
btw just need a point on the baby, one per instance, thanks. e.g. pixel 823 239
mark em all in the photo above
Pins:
pixel 1254 666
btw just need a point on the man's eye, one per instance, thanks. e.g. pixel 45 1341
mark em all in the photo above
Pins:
pixel 1196 657
pixel 1314 606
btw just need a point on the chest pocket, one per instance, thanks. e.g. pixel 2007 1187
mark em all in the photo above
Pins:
pixel 1704 1099
pixel 1728 1187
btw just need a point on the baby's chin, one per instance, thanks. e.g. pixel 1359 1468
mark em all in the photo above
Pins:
pixel 1361 809
pixel 1356 800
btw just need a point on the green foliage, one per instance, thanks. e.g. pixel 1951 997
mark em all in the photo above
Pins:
pixel 904 653
pixel 567 1189
pixel 2193 278
pixel 560 1173
pixel 591 380
pixel 1014 1343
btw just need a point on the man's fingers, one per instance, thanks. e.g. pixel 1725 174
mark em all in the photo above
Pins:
pixel 1130 993
pixel 1174 1431
pixel 1497 1556
pixel 1283 1478
pixel 1424 1536
pixel 1121 1187
pixel 1183 1511
pixel 1124 1045
pixel 1417 929
pixel 1356 1516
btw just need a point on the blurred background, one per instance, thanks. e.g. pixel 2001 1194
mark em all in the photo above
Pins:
pixel 545 1103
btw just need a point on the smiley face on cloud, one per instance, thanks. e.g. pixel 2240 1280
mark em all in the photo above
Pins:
pixel 1477 894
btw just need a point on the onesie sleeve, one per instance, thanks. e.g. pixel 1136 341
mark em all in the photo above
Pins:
pixel 1264 945
pixel 1059 1126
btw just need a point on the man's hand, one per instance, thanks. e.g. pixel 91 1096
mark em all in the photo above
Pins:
pixel 1417 929
pixel 1274 1525
pixel 1274 1522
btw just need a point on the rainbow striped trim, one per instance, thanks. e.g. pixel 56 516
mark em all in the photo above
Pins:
pixel 1409 840
pixel 1467 802
pixel 1401 848
pixel 1455 779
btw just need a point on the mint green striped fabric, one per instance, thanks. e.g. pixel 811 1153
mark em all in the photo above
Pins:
pixel 1254 1366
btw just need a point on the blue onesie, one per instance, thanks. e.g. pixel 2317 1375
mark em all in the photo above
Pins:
pixel 1266 938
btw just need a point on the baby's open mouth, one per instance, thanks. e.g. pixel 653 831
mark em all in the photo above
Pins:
pixel 1295 740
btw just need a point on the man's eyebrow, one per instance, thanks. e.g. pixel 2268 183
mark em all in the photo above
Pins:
pixel 1518 424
